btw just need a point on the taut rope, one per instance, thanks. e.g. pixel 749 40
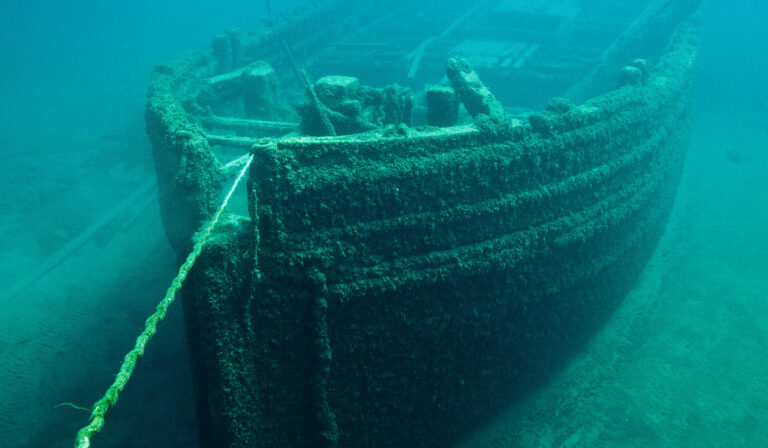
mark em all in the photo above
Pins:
pixel 100 408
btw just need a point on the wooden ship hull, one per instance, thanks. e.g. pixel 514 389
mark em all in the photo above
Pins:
pixel 399 286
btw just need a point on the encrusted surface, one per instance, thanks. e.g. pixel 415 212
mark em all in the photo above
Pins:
pixel 189 177
pixel 409 285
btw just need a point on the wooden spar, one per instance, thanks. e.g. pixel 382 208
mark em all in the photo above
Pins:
pixel 80 240
pixel 245 124
pixel 322 113
pixel 418 53
pixel 532 48
pixel 234 142
pixel 228 77
pixel 418 56
pixel 581 88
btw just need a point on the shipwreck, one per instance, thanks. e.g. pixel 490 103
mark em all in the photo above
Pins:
pixel 442 204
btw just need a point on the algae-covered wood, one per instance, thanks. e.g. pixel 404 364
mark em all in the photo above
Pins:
pixel 400 285
pixel 396 290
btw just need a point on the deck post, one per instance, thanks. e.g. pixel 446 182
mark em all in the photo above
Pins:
pixel 475 96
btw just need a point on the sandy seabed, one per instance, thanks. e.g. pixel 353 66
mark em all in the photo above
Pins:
pixel 73 297
pixel 681 363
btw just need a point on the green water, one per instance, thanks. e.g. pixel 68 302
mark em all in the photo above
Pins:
pixel 680 364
